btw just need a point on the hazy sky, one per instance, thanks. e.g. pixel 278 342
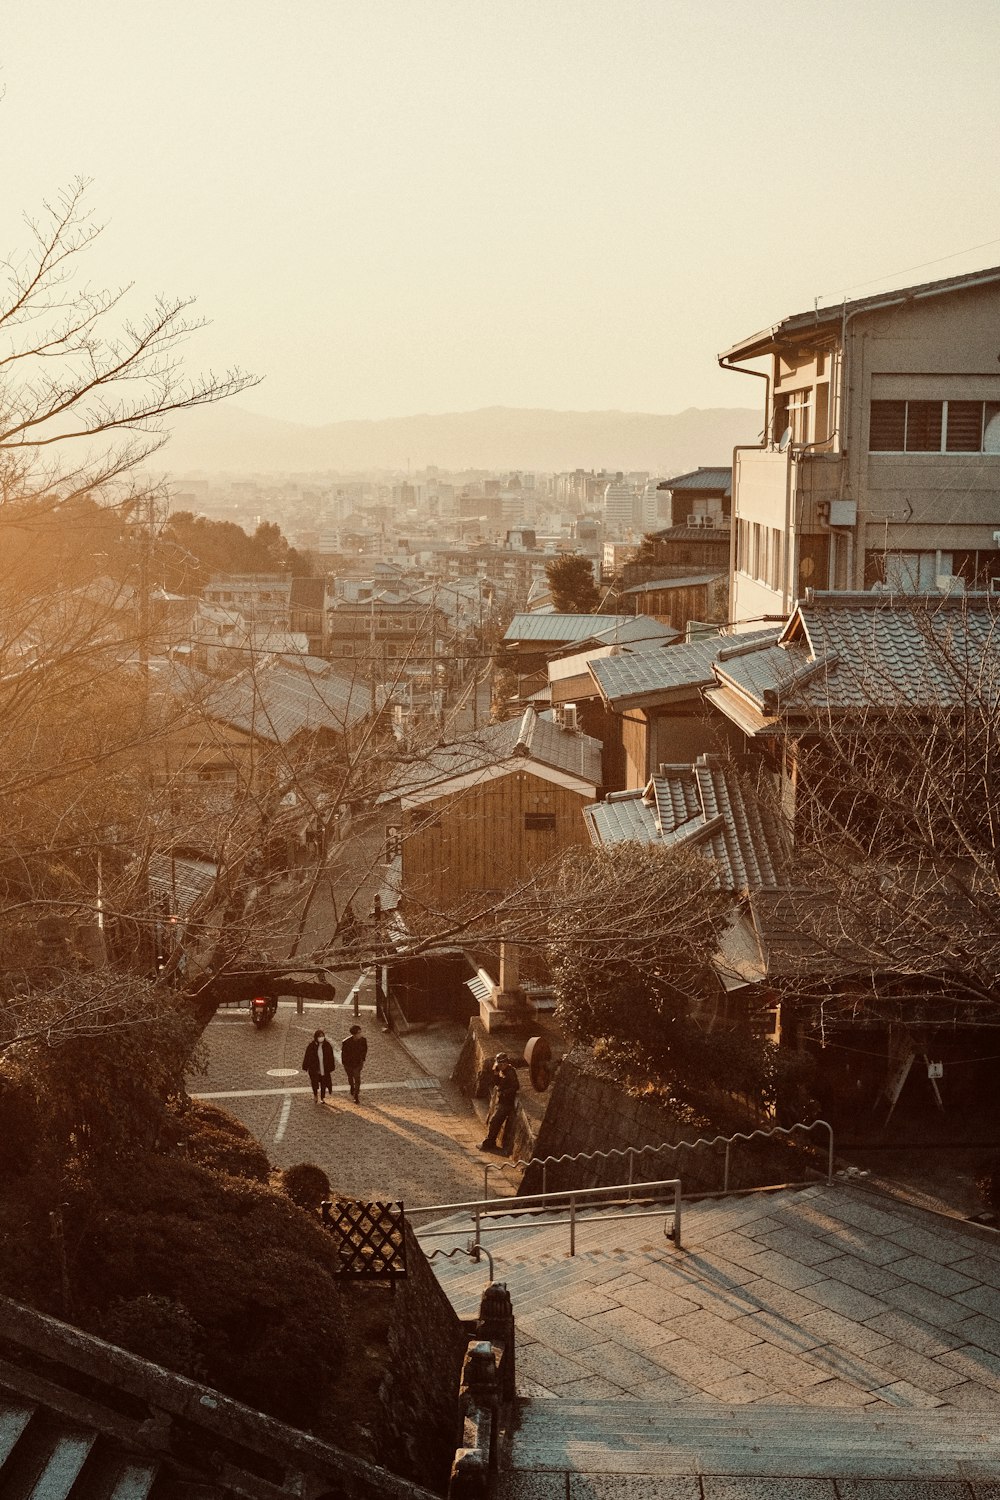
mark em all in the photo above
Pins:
pixel 393 206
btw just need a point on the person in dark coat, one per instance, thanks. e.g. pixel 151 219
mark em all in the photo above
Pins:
pixel 506 1087
pixel 353 1051
pixel 319 1064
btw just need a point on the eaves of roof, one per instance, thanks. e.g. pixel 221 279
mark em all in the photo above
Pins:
pixel 655 584
pixel 822 321
pixel 700 479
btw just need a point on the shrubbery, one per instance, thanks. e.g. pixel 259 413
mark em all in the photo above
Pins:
pixel 213 1138
pixel 306 1184
pixel 180 1250
pixel 160 1330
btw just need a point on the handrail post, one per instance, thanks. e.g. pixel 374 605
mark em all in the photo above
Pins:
pixel 572 1224
pixel 677 1215
pixel 477 1218
pixel 545 1177
pixel 486 1181
pixel 631 1170
pixel 829 1157
pixel 725 1173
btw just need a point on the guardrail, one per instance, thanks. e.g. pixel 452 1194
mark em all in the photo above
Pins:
pixel 481 1209
pixel 631 1153
pixel 472 1251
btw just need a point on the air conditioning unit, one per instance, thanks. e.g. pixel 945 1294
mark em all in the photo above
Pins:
pixel 949 583
pixel 698 521
pixel 567 716
pixel 995 585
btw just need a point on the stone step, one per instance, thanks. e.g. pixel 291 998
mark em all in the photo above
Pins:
pixel 642 1437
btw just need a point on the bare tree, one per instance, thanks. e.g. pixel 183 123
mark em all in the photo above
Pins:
pixel 892 908
pixel 85 388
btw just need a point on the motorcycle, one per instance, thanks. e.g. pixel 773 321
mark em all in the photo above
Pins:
pixel 263 1009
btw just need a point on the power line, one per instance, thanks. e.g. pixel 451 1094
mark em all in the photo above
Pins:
pixel 922 266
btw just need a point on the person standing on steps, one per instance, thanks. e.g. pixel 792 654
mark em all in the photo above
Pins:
pixel 505 1091
pixel 319 1064
pixel 353 1051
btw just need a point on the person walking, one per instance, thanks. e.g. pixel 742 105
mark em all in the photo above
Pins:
pixel 319 1064
pixel 506 1088
pixel 353 1051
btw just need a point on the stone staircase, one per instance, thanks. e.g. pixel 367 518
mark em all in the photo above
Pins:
pixel 798 1339
pixel 43 1457
pixel 644 1438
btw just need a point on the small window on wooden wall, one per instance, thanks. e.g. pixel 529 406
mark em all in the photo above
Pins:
pixel 539 822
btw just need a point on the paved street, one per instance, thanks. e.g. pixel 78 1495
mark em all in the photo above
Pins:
pixel 413 1137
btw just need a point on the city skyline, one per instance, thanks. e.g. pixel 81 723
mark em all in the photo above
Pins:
pixel 387 210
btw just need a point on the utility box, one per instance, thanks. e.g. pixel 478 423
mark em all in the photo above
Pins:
pixel 843 513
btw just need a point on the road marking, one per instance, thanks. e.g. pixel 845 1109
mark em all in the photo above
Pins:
pixel 286 1110
pixel 338 1088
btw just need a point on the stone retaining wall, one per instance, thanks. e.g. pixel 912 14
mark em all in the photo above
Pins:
pixel 590 1112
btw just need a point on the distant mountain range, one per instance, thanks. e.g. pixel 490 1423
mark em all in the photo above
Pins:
pixel 229 438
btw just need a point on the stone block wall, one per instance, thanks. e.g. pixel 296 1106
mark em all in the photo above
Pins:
pixel 588 1111
pixel 418 1394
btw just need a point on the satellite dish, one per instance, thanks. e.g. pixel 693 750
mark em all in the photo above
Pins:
pixel 538 1056
pixel 786 438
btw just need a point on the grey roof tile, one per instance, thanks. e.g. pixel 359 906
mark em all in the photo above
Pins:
pixel 534 736
pixel 850 651
pixel 700 479
pixel 690 665
pixel 283 696
pixel 707 806
pixel 671 583
pixel 558 629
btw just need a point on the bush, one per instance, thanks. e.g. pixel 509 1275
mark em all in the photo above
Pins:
pixel 214 1139
pixel 158 1329
pixel 306 1184
pixel 988 1183
pixel 21 1120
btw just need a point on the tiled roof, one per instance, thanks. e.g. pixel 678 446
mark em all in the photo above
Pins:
pixel 283 696
pixel 700 479
pixel 533 736
pixel 671 583
pixel 852 651
pixel 707 807
pixel 637 675
pixel 180 879
pixel 718 534
pixel 557 628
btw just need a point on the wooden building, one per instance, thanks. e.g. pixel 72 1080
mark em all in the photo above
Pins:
pixel 480 818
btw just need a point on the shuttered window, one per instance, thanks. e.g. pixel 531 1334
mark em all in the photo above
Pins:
pixel 887 430
pixel 932 427
pixel 923 426
pixel 965 427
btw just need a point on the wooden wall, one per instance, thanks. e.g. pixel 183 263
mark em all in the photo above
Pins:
pixel 476 840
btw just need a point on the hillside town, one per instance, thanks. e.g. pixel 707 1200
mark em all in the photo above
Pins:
pixel 678 788
pixel 499 961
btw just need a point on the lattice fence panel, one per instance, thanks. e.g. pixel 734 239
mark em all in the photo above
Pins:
pixel 372 1238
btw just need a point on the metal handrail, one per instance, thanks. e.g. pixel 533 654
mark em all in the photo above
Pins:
pixel 488 1208
pixel 473 1251
pixel 631 1152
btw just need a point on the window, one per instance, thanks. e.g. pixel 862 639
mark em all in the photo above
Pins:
pixel 540 822
pixel 760 552
pixel 934 427
pixel 791 415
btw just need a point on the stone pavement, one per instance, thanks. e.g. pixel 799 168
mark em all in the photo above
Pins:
pixel 412 1138
pixel 823 1297
pixel 820 1344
